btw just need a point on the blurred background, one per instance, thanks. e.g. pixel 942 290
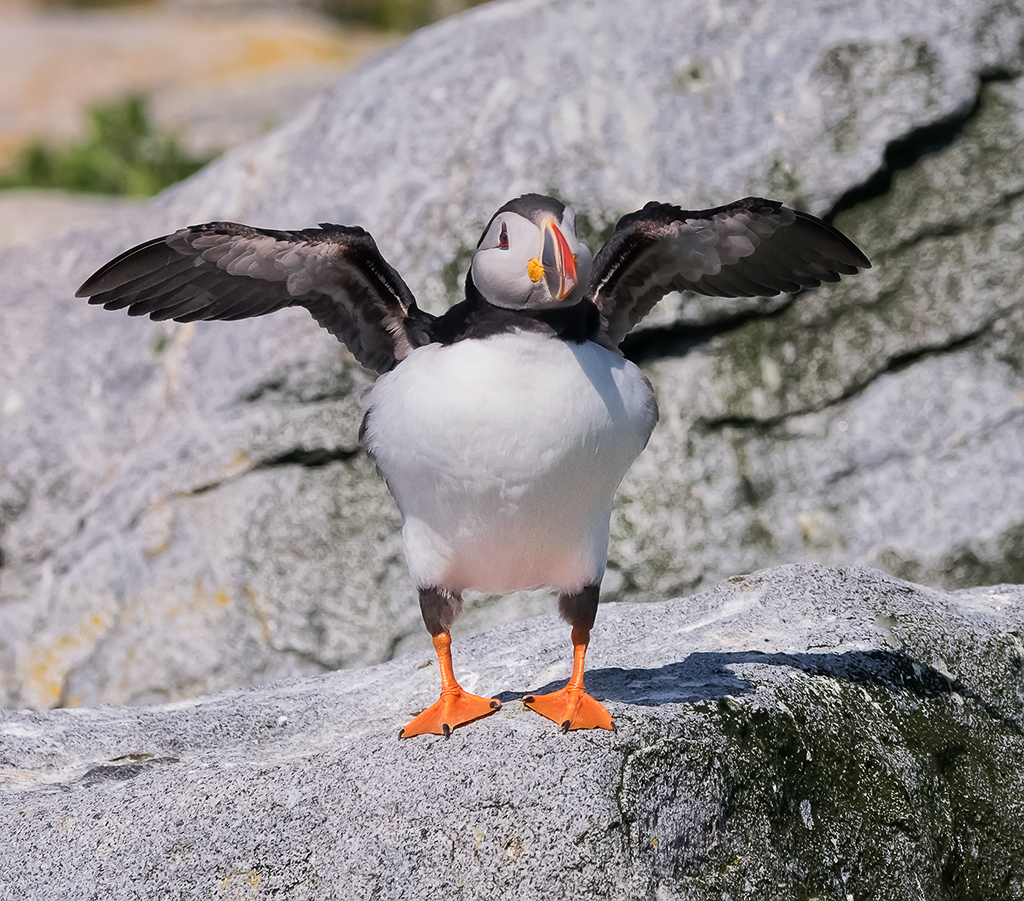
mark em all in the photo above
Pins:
pixel 184 508
pixel 105 102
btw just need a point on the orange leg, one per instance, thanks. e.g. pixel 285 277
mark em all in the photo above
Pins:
pixel 455 706
pixel 571 707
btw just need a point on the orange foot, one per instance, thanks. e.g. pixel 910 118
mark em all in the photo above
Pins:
pixel 452 709
pixel 572 708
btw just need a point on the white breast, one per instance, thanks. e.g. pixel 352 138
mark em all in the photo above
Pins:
pixel 504 454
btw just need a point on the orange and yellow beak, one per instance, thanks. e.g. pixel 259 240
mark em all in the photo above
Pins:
pixel 557 265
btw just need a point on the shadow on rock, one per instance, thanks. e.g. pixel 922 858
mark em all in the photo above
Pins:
pixel 706 676
pixel 698 677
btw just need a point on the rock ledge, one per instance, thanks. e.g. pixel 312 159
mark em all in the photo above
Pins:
pixel 800 732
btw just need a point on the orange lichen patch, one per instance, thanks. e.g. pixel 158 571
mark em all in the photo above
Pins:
pixel 156 529
pixel 242 885
pixel 261 611
pixel 174 359
pixel 47 664
pixel 197 607
pixel 203 600
pixel 157 550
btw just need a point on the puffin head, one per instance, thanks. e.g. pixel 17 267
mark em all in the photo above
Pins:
pixel 529 256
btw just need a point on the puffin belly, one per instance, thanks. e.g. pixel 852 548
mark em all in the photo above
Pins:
pixel 504 454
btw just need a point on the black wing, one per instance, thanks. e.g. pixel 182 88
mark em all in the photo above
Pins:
pixel 223 270
pixel 749 248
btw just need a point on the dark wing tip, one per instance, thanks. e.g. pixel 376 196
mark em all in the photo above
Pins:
pixel 853 257
pixel 127 266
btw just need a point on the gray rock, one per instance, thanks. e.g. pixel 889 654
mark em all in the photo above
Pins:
pixel 185 509
pixel 801 732
pixel 879 421
pixel 29 214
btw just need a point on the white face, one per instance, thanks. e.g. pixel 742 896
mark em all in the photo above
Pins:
pixel 517 263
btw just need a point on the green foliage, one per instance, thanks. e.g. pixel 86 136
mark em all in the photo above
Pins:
pixel 394 15
pixel 391 15
pixel 86 4
pixel 122 154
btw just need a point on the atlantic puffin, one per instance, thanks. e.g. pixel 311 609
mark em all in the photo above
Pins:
pixel 504 426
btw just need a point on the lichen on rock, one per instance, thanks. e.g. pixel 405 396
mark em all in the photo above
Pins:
pixel 802 732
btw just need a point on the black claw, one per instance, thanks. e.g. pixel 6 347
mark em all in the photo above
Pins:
pixel 495 704
pixel 565 727
pixel 447 730
pixel 528 699
pixel 401 732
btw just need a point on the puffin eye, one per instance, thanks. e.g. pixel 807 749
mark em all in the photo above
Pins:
pixel 503 237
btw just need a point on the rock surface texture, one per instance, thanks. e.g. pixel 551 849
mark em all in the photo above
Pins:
pixel 185 508
pixel 804 732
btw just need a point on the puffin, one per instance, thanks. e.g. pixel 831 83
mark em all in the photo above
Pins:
pixel 503 427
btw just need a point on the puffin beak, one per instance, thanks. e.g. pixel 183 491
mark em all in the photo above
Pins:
pixel 558 262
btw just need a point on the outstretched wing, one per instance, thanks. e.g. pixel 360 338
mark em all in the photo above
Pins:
pixel 749 248
pixel 223 270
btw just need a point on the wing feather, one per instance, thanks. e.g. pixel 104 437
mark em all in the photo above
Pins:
pixel 229 271
pixel 753 247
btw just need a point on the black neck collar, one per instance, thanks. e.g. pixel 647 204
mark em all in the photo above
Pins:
pixel 476 317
